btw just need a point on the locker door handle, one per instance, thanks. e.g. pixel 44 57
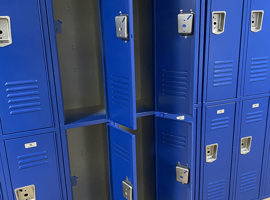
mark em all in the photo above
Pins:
pixel 246 145
pixel 5 31
pixel 211 153
pixel 256 20
pixel 121 23
pixel 218 22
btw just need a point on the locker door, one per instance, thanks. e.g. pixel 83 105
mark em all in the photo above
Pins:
pixel 32 161
pixel 119 61
pixel 24 87
pixel 218 151
pixel 175 57
pixel 224 47
pixel 257 75
pixel 174 144
pixel 266 177
pixel 249 165
pixel 123 162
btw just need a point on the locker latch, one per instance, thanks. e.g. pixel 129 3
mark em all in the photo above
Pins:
pixel 5 31
pixel 127 189
pixel 26 193
pixel 246 145
pixel 211 153
pixel 185 23
pixel 182 174
pixel 121 23
pixel 256 20
pixel 218 22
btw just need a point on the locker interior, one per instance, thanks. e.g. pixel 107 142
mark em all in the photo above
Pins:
pixel 80 54
pixel 89 163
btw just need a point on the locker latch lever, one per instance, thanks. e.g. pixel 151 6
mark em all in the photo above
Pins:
pixel 256 20
pixel 5 31
pixel 185 23
pixel 127 189
pixel 218 22
pixel 182 174
pixel 246 145
pixel 121 23
pixel 211 153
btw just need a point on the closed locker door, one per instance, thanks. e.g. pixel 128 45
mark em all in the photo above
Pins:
pixel 219 133
pixel 174 145
pixel 122 153
pixel 119 60
pixel 253 127
pixel 24 88
pixel 224 46
pixel 257 75
pixel 266 176
pixel 33 162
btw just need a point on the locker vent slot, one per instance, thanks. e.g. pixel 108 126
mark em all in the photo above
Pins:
pixel 173 140
pixel 258 69
pixel 32 159
pixel 175 83
pixel 23 96
pixel 216 190
pixel 248 181
pixel 220 123
pixel 119 88
pixel 121 152
pixel 254 117
pixel 223 73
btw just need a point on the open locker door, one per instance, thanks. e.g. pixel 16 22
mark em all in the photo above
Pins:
pixel 117 22
pixel 122 153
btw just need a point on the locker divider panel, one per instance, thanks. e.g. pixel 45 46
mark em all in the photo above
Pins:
pixel 175 57
pixel 257 74
pixel 174 144
pixel 122 155
pixel 219 130
pixel 223 52
pixel 33 161
pixel 253 124
pixel 24 97
pixel 119 63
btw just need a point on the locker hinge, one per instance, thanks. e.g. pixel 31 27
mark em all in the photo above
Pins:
pixel 74 181
pixel 58 26
pixel 182 174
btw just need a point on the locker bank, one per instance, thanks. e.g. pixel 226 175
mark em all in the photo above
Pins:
pixel 134 100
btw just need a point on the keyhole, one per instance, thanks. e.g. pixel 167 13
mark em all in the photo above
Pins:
pixel 120 29
pixel 26 195
pixel 1 32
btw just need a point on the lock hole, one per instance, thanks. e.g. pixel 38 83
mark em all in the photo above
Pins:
pixel 1 32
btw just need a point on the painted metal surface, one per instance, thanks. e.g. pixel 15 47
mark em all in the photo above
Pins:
pixel 33 161
pixel 222 53
pixel 122 155
pixel 24 93
pixel 257 74
pixel 174 142
pixel 119 63
pixel 253 124
pixel 219 129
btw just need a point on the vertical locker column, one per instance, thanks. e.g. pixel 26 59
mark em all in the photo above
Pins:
pixel 225 18
pixel 24 88
pixel 257 75
pixel 118 38
pixel 253 128
pixel 217 152
pixel 33 166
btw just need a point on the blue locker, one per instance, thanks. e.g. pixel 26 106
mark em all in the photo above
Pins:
pixel 257 75
pixel 119 62
pixel 266 176
pixel 251 145
pixel 123 162
pixel 24 94
pixel 175 65
pixel 223 49
pixel 1 196
pixel 33 161
pixel 217 151
pixel 174 144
